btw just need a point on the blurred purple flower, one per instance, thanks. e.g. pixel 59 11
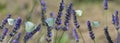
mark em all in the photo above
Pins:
pixel 3 34
pixel 89 26
pixel 113 19
pixel 68 15
pixel 4 21
pixel 49 34
pixel 52 14
pixel 107 35
pixel 91 35
pixel 90 30
pixel 65 28
pixel 105 4
pixel 18 36
pixel 16 27
pixel 75 19
pixel 58 18
pixel 75 34
pixel 15 41
pixel 43 7
pixel 30 34
pixel 116 18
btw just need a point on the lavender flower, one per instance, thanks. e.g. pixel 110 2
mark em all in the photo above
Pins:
pixel 15 41
pixel 75 19
pixel 52 15
pixel 113 19
pixel 30 34
pixel 67 17
pixel 105 4
pixel 16 27
pixel 49 34
pixel 58 27
pixel 4 21
pixel 58 18
pixel 92 35
pixel 3 34
pixel 18 36
pixel 116 18
pixel 107 35
pixel 43 4
pixel 89 26
pixel 75 35
pixel 90 30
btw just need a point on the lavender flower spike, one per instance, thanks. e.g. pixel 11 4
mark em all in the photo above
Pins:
pixel 113 19
pixel 3 34
pixel 90 30
pixel 61 6
pixel 89 26
pixel 107 35
pixel 43 9
pixel 18 36
pixel 116 18
pixel 4 21
pixel 30 34
pixel 18 23
pixel 75 19
pixel 105 4
pixel 15 41
pixel 75 35
pixel 16 27
pixel 49 34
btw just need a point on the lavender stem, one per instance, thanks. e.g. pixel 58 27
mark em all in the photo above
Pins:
pixel 11 38
pixel 94 41
pixel 61 36
pixel 82 36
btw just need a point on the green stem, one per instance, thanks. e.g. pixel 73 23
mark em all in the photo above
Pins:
pixel 9 41
pixel 30 13
pixel 61 36
pixel 82 36
pixel 94 41
pixel 105 20
pixel 39 38
pixel 41 34
pixel 56 37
